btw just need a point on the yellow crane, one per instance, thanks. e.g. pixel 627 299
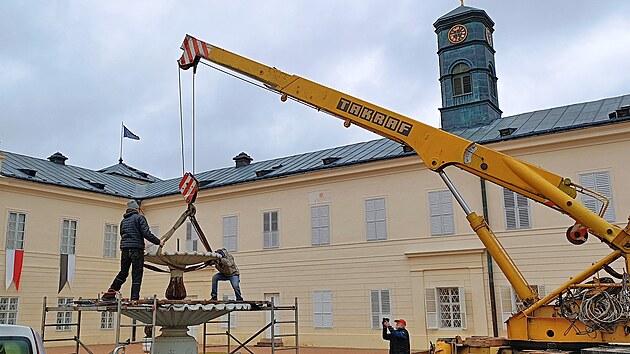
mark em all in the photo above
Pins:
pixel 541 321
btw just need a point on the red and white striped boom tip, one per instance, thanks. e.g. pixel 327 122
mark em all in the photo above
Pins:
pixel 193 50
pixel 188 187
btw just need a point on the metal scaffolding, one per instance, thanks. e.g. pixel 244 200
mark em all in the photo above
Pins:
pixel 272 308
pixel 122 308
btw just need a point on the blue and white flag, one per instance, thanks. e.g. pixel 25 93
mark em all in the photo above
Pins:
pixel 128 134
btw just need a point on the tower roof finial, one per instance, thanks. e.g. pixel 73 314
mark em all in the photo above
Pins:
pixel 461 2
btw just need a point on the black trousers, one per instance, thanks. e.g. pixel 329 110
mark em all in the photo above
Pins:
pixel 134 258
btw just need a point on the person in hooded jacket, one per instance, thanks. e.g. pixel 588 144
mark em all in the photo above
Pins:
pixel 227 270
pixel 398 338
pixel 134 229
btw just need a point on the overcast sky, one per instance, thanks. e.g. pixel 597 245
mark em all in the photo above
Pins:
pixel 72 71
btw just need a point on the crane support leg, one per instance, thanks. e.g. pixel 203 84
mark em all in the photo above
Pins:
pixel 494 247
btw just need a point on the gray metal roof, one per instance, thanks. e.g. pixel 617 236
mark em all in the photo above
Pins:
pixel 114 180
pixel 124 170
pixel 47 172
pixel 546 121
pixel 461 11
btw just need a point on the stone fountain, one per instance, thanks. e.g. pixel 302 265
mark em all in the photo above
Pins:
pixel 174 315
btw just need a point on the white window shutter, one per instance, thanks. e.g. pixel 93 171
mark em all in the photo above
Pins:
pixel 542 292
pixel 375 307
pixel 275 239
pixel 266 239
pixel 506 298
pixel 324 234
pixel 318 308
pixel 328 310
pixel 233 314
pixel 386 305
pixel 430 304
pixel 510 209
pixel 370 220
pixel 447 213
pixel 225 239
pixel 462 306
pixel 523 211
pixel 602 181
pixel 435 212
pixel 598 182
pixel 315 237
pixel 189 243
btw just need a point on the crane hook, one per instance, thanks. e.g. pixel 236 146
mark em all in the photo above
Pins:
pixel 346 123
pixel 283 98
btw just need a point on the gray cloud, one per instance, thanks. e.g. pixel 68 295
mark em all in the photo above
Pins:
pixel 71 71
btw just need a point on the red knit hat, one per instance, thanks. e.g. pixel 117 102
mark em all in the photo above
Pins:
pixel 404 323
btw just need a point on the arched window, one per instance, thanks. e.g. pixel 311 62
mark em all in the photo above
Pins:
pixel 492 81
pixel 461 80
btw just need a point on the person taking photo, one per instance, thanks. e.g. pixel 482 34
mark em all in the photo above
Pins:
pixel 398 338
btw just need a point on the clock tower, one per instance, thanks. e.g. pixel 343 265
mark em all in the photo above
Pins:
pixel 467 69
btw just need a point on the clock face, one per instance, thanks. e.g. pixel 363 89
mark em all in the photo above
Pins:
pixel 489 36
pixel 457 34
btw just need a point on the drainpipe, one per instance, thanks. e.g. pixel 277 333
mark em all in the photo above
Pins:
pixel 493 296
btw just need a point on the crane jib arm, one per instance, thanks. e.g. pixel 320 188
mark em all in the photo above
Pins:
pixel 436 148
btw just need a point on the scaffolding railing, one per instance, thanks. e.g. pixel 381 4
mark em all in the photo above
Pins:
pixel 82 305
pixel 119 306
pixel 271 324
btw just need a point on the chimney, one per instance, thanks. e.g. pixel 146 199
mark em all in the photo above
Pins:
pixel 57 158
pixel 242 159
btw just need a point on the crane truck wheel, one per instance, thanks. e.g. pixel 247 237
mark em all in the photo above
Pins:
pixel 577 234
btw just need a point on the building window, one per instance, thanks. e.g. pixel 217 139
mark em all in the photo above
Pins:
pixel 64 318
pixel 192 238
pixel 320 225
pixel 511 303
pixel 322 309
pixel 461 80
pixel 600 183
pixel 107 320
pixel 516 210
pixel 271 233
pixel 375 219
pixel 230 233
pixel 111 241
pixel 445 308
pixel 149 246
pixel 16 227
pixel 441 213
pixel 492 81
pixel 381 306
pixel 233 314
pixel 8 310
pixel 68 236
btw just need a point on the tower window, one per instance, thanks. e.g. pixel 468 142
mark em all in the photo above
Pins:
pixel 461 80
pixel 492 81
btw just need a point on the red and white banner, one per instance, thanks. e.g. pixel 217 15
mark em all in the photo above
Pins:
pixel 14 263
pixel 188 187
pixel 67 266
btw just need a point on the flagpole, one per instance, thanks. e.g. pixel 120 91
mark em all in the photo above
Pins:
pixel 122 124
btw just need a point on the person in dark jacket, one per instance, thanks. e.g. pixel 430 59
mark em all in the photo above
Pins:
pixel 134 229
pixel 227 270
pixel 398 338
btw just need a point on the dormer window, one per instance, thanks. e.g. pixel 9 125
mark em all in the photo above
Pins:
pixel 462 83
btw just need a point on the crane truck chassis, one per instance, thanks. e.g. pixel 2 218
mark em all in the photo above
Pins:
pixel 556 321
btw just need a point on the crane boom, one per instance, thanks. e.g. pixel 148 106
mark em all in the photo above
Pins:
pixel 437 149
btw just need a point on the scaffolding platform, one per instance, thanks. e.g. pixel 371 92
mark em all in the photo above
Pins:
pixel 151 313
